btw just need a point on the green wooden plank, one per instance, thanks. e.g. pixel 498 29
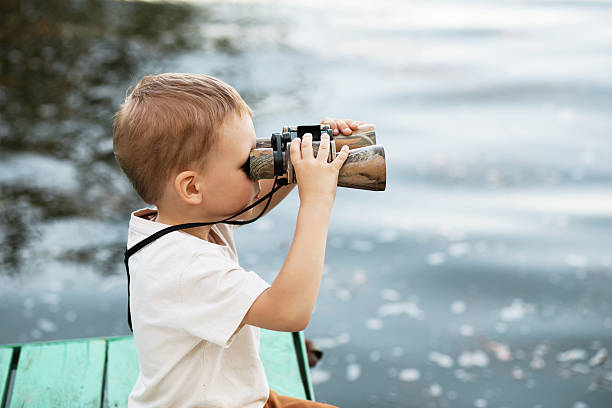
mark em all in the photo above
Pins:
pixel 6 356
pixel 122 370
pixel 277 353
pixel 60 374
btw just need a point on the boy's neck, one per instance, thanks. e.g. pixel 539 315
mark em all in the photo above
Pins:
pixel 200 232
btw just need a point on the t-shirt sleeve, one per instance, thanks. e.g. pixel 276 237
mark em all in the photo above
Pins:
pixel 215 296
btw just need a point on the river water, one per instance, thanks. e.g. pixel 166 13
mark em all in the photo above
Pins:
pixel 482 276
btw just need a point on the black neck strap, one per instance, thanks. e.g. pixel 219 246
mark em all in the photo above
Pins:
pixel 278 183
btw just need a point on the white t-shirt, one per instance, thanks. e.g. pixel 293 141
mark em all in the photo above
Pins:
pixel 188 297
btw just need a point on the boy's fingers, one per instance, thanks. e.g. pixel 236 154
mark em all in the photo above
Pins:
pixel 344 127
pixel 332 124
pixel 334 127
pixel 307 147
pixel 353 124
pixel 323 153
pixel 340 158
pixel 294 149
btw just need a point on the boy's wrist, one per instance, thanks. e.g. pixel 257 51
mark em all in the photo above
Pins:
pixel 321 208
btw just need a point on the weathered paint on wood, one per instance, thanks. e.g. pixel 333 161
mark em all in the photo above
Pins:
pixel 121 370
pixel 6 356
pixel 60 375
pixel 277 353
pixel 71 373
pixel 280 364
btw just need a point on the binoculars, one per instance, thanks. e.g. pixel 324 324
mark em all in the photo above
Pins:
pixel 365 167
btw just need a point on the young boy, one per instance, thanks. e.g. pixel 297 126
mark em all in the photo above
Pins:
pixel 182 140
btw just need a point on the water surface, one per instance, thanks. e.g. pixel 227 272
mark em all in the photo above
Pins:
pixel 481 277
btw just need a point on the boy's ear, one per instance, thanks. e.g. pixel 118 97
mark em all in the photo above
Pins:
pixel 188 185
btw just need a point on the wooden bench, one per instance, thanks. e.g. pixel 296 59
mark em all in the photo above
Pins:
pixel 100 372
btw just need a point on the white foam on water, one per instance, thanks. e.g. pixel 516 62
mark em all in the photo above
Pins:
pixel 436 258
pixel 344 294
pixel 459 249
pixel 353 372
pixel 397 352
pixel 598 358
pixel 319 376
pixel 481 403
pixel 537 363
pixel 387 235
pixel 516 311
pixel 362 245
pixel 35 334
pixel 458 307
pixel 50 298
pixel 577 261
pixel 502 351
pixel 359 277
pixel 435 390
pixel 391 295
pixel 572 355
pixel 374 324
pixel 581 368
pixel 409 375
pixel 395 309
pixel 466 330
pixel 476 358
pixel 440 359
pixel 517 373
pixel 331 342
pixel 46 325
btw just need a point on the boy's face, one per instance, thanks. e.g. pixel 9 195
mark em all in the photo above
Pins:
pixel 228 187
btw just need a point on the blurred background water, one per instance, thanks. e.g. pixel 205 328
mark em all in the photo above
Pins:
pixel 482 276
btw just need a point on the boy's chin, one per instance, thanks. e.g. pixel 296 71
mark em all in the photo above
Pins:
pixel 247 215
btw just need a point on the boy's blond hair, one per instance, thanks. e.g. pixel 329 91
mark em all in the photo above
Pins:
pixel 169 122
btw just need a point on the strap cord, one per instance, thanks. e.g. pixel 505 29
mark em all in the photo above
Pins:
pixel 278 183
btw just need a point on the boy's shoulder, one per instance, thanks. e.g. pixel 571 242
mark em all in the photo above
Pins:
pixel 143 225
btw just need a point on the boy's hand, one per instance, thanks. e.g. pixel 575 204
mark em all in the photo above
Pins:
pixel 316 178
pixel 346 126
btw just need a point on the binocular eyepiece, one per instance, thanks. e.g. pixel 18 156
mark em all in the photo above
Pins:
pixel 365 167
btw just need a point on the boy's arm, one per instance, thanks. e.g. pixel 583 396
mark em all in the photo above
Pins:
pixel 288 304
pixel 346 126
